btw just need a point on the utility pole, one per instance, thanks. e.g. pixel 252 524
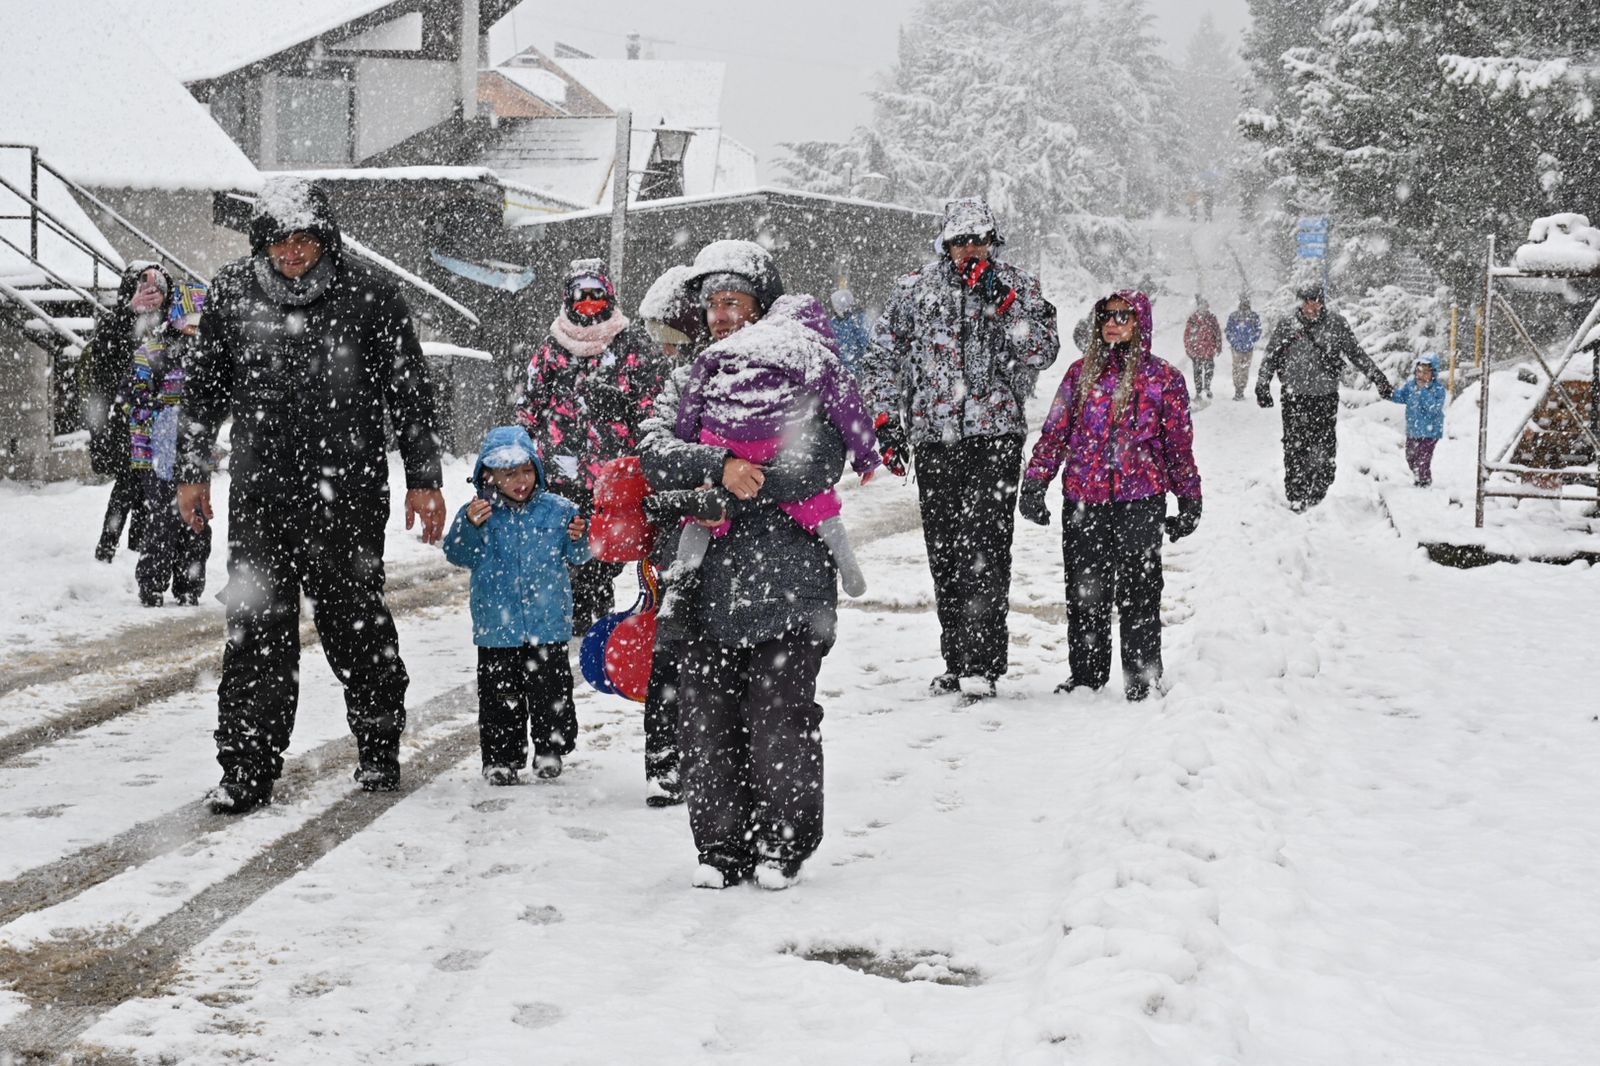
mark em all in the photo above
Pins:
pixel 619 193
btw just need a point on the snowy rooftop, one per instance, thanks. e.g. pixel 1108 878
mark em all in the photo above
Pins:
pixel 102 108
pixel 209 38
pixel 658 91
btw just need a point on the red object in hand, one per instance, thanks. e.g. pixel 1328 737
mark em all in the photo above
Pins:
pixel 619 531
pixel 628 655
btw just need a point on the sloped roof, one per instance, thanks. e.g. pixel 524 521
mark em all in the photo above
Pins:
pixel 659 91
pixel 102 108
pixel 569 158
pixel 201 39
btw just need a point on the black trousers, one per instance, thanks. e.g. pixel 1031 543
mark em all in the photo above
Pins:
pixel 968 494
pixel 661 710
pixel 332 552
pixel 174 555
pixel 522 692
pixel 751 731
pixel 593 595
pixel 126 507
pixel 1112 557
pixel 1310 444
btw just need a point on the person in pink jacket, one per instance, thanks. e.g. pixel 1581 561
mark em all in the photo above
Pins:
pixel 1120 428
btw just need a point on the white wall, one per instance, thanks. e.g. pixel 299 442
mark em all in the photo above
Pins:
pixel 397 98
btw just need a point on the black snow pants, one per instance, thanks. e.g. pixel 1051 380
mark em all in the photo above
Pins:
pixel 126 507
pixel 333 552
pixel 174 556
pixel 968 494
pixel 661 710
pixel 751 731
pixel 1112 556
pixel 1310 444
pixel 522 692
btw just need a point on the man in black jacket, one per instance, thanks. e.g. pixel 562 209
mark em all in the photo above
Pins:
pixel 1309 349
pixel 306 351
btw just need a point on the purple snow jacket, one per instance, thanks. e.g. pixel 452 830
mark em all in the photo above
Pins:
pixel 758 383
pixel 1151 452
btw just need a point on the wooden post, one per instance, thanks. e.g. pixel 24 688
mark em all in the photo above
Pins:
pixel 1455 332
pixel 1483 384
pixel 619 194
pixel 1477 339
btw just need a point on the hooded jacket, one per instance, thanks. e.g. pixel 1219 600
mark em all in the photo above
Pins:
pixel 104 372
pixel 955 368
pixel 1150 452
pixel 751 385
pixel 308 370
pixel 1202 335
pixel 521 591
pixel 1244 330
pixel 1424 404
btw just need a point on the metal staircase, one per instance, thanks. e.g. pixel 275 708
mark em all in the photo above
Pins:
pixel 58 280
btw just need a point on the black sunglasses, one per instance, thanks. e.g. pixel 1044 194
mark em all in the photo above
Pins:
pixel 1121 318
pixel 972 239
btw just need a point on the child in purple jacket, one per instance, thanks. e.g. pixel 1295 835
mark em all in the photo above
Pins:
pixel 746 390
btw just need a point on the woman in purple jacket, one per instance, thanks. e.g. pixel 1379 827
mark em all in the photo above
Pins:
pixel 1120 424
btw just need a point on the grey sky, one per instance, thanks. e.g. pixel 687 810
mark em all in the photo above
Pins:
pixel 796 72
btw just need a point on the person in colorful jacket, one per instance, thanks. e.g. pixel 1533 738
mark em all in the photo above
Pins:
pixel 954 355
pixel 589 385
pixel 1120 426
pixel 1202 340
pixel 1244 333
pixel 1424 397
pixel 518 540
pixel 174 555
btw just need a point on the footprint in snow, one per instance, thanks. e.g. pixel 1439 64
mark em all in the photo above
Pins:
pixel 461 961
pixel 945 802
pixel 541 915
pixel 863 830
pixel 893 777
pixel 490 806
pixel 500 869
pixel 925 742
pixel 579 832
pixel 537 1015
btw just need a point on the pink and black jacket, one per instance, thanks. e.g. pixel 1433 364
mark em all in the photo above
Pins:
pixel 1150 452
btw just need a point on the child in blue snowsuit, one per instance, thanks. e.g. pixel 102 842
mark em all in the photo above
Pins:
pixel 1424 396
pixel 518 539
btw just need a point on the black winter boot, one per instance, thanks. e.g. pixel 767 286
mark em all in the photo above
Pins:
pixel 378 768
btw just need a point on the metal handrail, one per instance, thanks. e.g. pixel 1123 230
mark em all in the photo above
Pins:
pixel 88 297
pixel 45 317
pixel 150 242
pixel 61 229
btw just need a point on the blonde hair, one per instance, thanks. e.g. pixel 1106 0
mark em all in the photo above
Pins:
pixel 1094 364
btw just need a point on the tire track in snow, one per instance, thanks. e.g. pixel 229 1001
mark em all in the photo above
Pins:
pixel 170 659
pixel 142 964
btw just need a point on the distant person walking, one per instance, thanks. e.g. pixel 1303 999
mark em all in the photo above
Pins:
pixel 1424 397
pixel 1309 349
pixel 849 327
pixel 955 353
pixel 140 310
pixel 1244 333
pixel 316 359
pixel 1202 340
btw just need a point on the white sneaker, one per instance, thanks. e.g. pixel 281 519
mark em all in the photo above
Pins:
pixel 770 876
pixel 708 876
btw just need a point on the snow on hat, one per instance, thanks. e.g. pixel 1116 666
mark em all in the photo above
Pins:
pixel 843 301
pixel 289 205
pixel 726 282
pixel 1310 290
pixel 746 260
pixel 968 214
pixel 671 312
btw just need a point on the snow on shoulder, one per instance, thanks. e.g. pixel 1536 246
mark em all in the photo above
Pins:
pixel 1562 242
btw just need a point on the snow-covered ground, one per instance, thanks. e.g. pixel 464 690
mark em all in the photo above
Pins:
pixel 1359 827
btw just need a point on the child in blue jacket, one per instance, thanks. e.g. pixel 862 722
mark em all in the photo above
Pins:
pixel 1424 396
pixel 518 540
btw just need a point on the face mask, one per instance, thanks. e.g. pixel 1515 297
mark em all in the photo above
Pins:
pixel 591 308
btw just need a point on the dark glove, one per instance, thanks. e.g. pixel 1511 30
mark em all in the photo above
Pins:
pixel 984 281
pixel 892 444
pixel 1182 524
pixel 1031 502
pixel 1264 397
pixel 1385 389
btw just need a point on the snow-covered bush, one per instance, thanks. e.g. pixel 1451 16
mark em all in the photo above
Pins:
pixel 1395 326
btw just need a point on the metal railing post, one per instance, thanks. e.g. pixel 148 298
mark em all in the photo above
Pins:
pixel 1486 316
